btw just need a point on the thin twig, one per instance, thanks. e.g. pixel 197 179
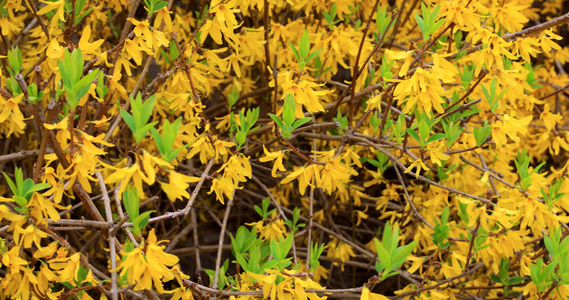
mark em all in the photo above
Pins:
pixel 194 223
pixel 356 66
pixel 221 239
pixel 112 252
pixel 415 210
pixel 310 212
pixel 34 9
pixel 196 190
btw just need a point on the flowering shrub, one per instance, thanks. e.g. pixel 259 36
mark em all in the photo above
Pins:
pixel 277 149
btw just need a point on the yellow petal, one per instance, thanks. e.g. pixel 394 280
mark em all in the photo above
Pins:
pixel 61 125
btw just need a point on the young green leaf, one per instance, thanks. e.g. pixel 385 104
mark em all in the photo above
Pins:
pixel 294 51
pixel 15 61
pixel 301 122
pixel 131 202
pixel 383 20
pixel 304 46
pixel 414 135
pixel 277 120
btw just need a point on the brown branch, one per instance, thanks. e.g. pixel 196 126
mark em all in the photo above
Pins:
pixel 355 68
pixel 221 239
pixel 112 252
pixel 21 155
pixel 430 287
pixel 34 9
pixel 295 150
pixel 415 210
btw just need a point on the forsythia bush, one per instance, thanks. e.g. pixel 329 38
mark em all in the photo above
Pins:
pixel 276 149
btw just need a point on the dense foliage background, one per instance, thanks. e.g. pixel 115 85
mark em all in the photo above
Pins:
pixel 280 149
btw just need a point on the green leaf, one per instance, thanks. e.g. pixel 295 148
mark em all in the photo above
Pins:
pixel 414 135
pixel 142 219
pixel 333 11
pixel 240 137
pixel 552 244
pixel 390 238
pixel 129 120
pixel 76 65
pixel 254 259
pixel 425 12
pixel 140 115
pixel 252 117
pixel 547 271
pixel 21 201
pixel 304 46
pixel 157 140
pixel 435 13
pixel 242 262
pixel 174 52
pixel 423 130
pixel 315 255
pixel 421 25
pixel 313 54
pixel 515 280
pixel 427 23
pixel 160 5
pixel 131 202
pixel 287 244
pixel 301 122
pixel 463 213
pixel 233 97
pixel 102 90
pixel 141 132
pixel 378 267
pixel 452 131
pixel 277 120
pixel 83 15
pixel 13 187
pixel 171 132
pixel 26 186
pixel 495 278
pixel 373 162
pixel 383 255
pixel 437 25
pixel 147 108
pixel 174 153
pixel 295 52
pixel 276 250
pixel 504 268
pixel 19 177
pixel 402 253
pixel 481 133
pixel 288 116
pixel 82 87
pixel 35 188
pixel 259 211
pixel 328 19
pixel 86 81
pixel 436 137
pixel 15 61
pixel 269 265
pixel 63 71
pixel 382 20
pixel 236 242
pixel 487 95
